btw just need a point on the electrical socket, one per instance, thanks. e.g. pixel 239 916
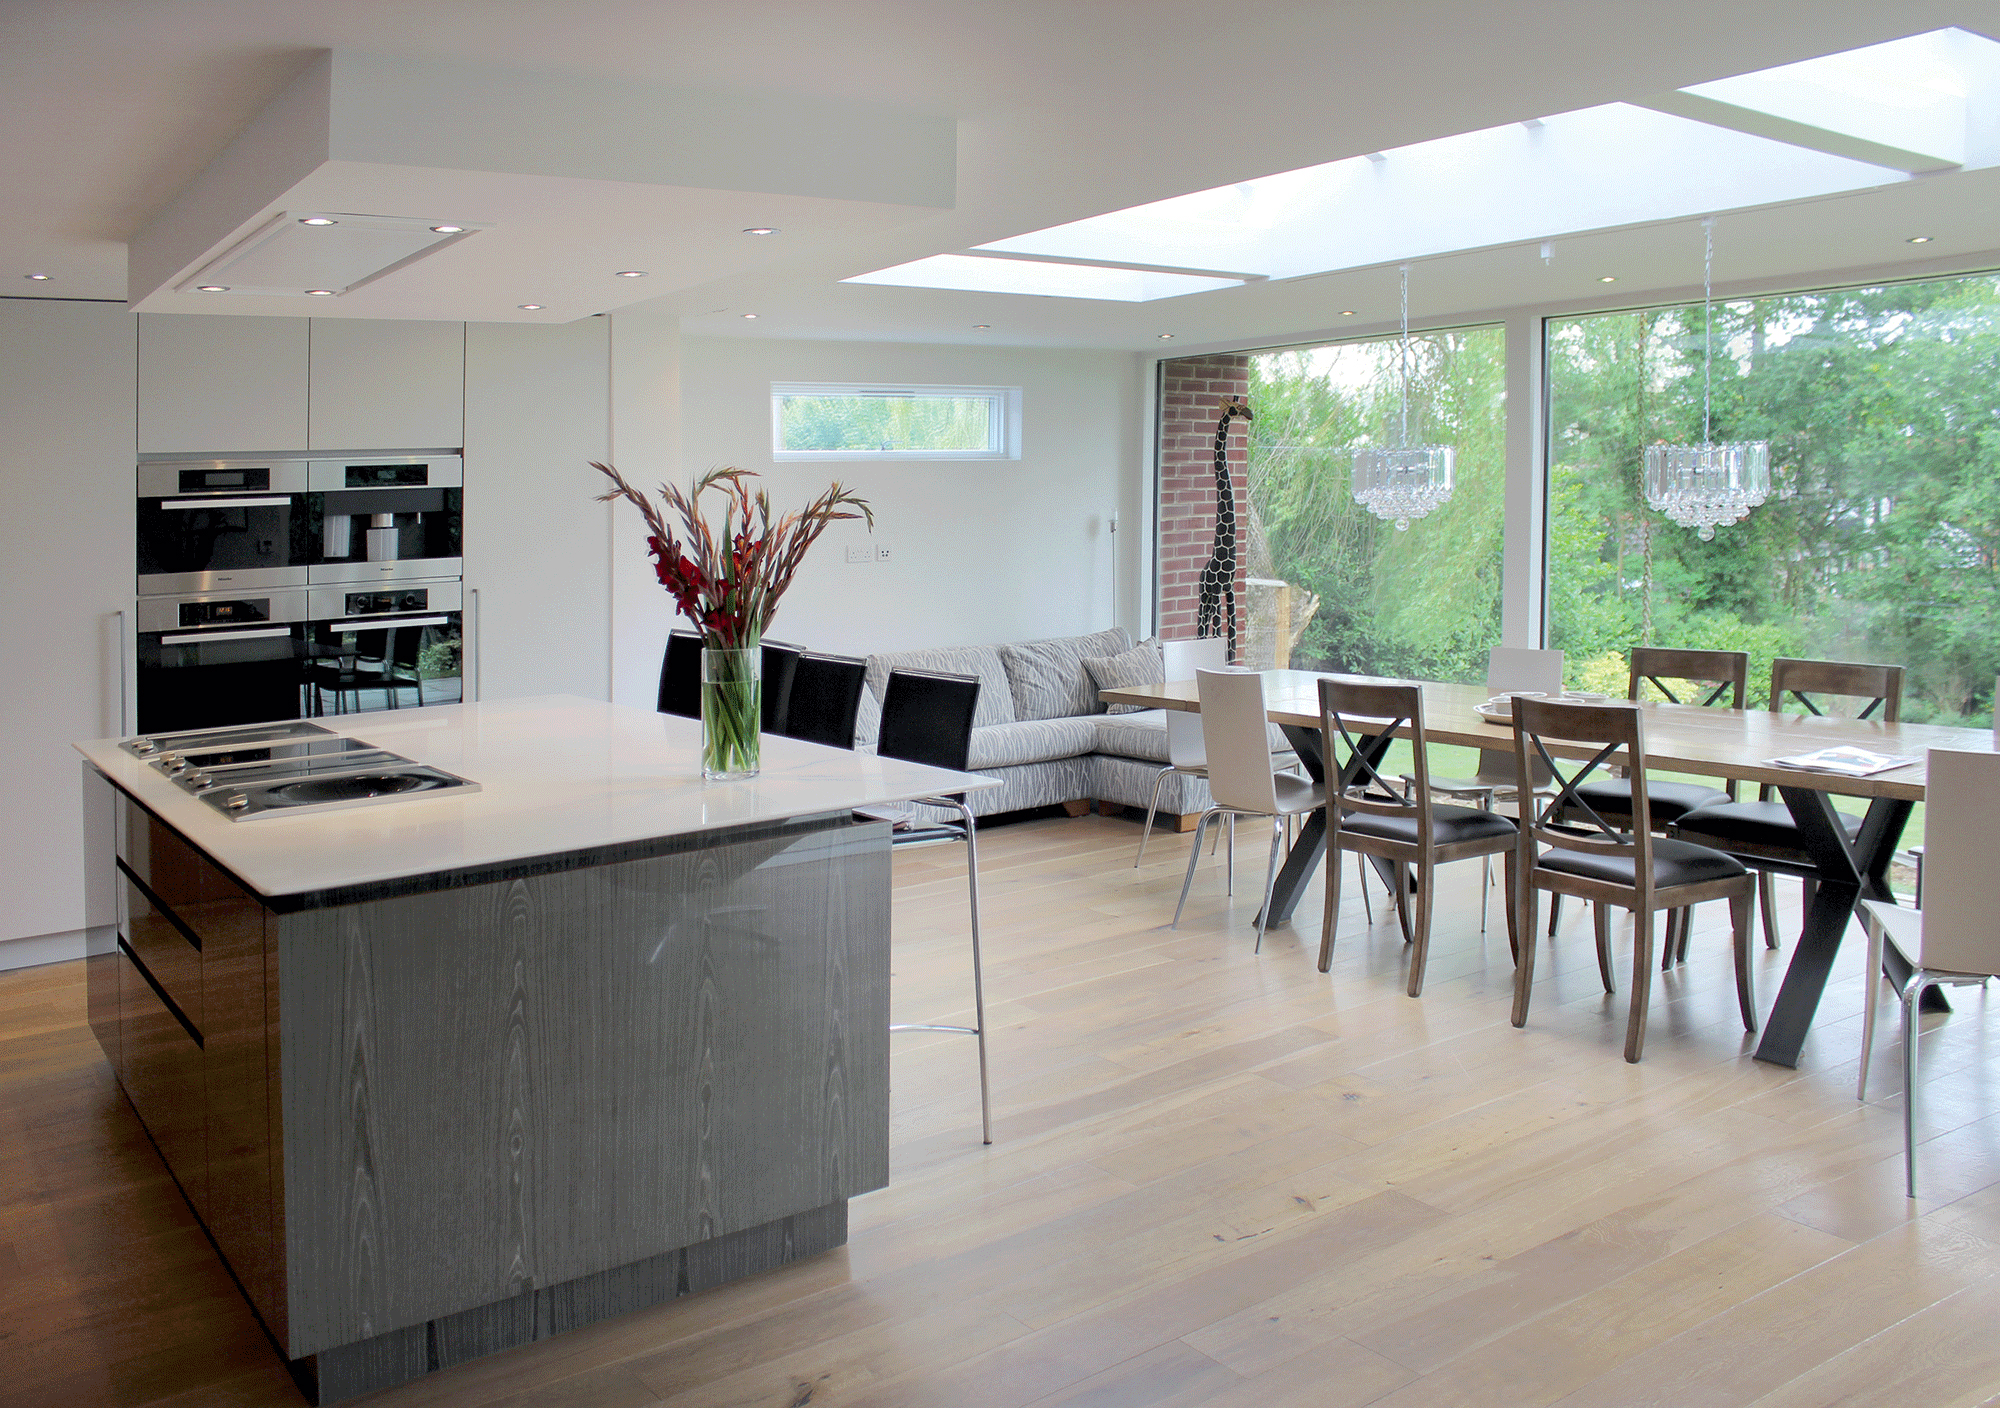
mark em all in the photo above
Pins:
pixel 864 553
pixel 881 552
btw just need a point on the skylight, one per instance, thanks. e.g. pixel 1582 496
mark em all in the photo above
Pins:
pixel 977 274
pixel 1846 122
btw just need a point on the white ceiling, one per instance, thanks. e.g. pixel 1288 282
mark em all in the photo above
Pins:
pixel 1065 109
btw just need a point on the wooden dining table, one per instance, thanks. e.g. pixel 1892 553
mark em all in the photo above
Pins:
pixel 1731 744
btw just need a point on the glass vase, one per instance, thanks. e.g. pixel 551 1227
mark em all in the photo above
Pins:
pixel 732 713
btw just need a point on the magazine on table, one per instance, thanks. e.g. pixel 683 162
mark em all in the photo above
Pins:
pixel 1848 762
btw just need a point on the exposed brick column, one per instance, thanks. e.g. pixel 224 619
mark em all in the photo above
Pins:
pixel 1192 390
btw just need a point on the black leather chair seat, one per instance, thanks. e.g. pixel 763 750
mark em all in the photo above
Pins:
pixel 1449 826
pixel 1754 823
pixel 1674 863
pixel 1669 801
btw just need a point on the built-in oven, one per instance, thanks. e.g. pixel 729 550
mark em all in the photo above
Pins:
pixel 210 659
pixel 384 646
pixel 224 525
pixel 384 519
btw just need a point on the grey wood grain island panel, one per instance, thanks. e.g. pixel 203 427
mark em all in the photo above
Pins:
pixel 497 1089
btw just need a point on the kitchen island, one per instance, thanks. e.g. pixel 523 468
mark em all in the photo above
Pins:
pixel 452 1073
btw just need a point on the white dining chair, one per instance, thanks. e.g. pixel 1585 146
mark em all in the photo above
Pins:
pixel 1955 938
pixel 1179 660
pixel 1242 780
pixel 1507 667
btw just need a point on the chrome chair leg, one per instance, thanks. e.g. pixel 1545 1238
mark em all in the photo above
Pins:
pixel 1270 880
pixel 1912 994
pixel 1151 810
pixel 1194 856
pixel 1230 888
pixel 1361 884
pixel 978 1029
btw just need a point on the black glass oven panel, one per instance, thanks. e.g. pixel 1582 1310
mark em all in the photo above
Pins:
pixel 221 679
pixel 222 537
pixel 426 523
pixel 225 613
pixel 375 603
pixel 386 476
pixel 242 480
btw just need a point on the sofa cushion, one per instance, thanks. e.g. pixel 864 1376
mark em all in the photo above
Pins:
pixel 996 699
pixel 1144 736
pixel 1047 677
pixel 1031 741
pixel 1139 665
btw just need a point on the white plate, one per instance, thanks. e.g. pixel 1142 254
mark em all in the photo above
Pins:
pixel 1495 713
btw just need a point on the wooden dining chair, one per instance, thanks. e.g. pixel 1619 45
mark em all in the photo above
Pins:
pixel 1612 863
pixel 1494 780
pixel 1709 678
pixel 1955 937
pixel 1762 833
pixel 1398 823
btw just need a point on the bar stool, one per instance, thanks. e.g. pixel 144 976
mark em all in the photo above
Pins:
pixel 927 718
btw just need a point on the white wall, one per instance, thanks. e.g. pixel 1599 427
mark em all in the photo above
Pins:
pixel 645 446
pixel 68 373
pixel 981 551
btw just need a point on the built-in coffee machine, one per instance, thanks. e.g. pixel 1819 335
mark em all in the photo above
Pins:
pixel 280 588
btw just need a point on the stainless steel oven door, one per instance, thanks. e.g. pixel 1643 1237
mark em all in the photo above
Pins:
pixel 212 659
pixel 222 525
pixel 386 646
pixel 386 519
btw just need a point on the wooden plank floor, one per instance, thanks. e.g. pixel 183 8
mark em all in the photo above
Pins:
pixel 1219 1178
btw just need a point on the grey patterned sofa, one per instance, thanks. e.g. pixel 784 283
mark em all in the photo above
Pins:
pixel 1040 728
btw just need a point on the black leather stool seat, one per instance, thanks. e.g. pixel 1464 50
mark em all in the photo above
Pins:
pixel 1674 863
pixel 1753 823
pixel 1449 825
pixel 1667 801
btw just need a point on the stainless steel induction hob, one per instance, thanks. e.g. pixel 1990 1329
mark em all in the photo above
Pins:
pixel 216 739
pixel 288 768
pixel 304 788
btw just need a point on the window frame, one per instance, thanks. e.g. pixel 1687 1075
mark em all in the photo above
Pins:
pixel 1003 419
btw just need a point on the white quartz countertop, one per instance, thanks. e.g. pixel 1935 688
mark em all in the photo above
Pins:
pixel 559 774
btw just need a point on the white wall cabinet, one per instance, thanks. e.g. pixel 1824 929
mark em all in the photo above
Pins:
pixel 215 384
pixel 385 385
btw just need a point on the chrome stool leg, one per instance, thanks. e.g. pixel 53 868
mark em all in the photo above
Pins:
pixel 978 1029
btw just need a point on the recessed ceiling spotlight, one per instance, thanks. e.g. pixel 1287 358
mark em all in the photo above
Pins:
pixel 529 307
pixel 982 327
pixel 631 273
pixel 318 220
pixel 320 292
pixel 1608 279
pixel 448 229
pixel 213 288
pixel 1918 239
pixel 38 278
pixel 1166 337
pixel 761 230
pixel 1347 312
pixel 749 315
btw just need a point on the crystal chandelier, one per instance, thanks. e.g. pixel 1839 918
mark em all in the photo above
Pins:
pixel 1707 486
pixel 1403 482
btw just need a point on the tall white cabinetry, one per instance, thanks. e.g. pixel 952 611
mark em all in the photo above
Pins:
pixel 66 514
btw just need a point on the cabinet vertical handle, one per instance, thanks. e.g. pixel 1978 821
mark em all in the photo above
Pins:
pixel 124 682
pixel 478 655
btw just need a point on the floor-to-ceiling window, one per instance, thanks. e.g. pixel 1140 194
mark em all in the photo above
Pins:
pixel 1881 538
pixel 1332 587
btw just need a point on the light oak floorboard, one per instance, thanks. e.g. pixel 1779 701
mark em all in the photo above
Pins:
pixel 1220 1178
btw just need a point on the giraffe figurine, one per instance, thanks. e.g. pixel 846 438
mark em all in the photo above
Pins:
pixel 1217 605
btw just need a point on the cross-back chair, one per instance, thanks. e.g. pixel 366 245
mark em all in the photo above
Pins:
pixel 1709 679
pixel 1371 816
pixel 1762 834
pixel 1613 862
